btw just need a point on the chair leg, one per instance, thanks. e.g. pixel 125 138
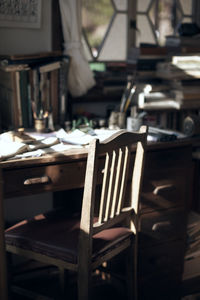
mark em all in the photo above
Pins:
pixel 63 276
pixel 84 284
pixel 10 273
pixel 132 273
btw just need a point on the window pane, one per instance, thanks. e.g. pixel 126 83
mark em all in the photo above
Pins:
pixel 165 16
pixel 121 4
pixel 86 50
pixel 186 6
pixel 165 20
pixel 115 47
pixel 96 17
pixel 145 34
pixel 152 13
pixel 187 20
pixel 142 5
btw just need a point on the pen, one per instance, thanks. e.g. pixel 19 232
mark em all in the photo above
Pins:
pixel 125 96
pixel 129 98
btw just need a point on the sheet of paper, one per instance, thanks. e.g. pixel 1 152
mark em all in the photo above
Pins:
pixel 8 149
pixel 103 134
pixel 76 137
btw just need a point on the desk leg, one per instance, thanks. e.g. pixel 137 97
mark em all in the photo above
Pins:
pixel 3 263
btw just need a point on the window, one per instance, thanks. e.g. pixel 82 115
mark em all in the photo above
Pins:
pixel 108 28
pixel 158 18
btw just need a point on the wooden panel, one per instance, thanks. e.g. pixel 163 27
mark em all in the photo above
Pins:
pixel 32 180
pixel 159 227
pixel 160 287
pixel 161 260
pixel 163 189
pixel 168 158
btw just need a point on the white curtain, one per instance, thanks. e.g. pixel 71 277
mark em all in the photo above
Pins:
pixel 80 78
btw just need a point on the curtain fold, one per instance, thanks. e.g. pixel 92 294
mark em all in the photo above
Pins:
pixel 80 78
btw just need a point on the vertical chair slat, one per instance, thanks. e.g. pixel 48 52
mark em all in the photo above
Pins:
pixel 124 179
pixel 104 190
pixel 136 179
pixel 115 183
pixel 118 178
pixel 111 186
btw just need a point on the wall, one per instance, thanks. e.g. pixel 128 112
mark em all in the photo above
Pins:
pixel 26 41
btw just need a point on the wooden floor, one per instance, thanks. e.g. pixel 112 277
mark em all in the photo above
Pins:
pixel 48 285
pixel 45 281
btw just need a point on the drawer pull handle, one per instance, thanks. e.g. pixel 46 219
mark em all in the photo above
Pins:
pixel 36 180
pixel 162 188
pixel 159 225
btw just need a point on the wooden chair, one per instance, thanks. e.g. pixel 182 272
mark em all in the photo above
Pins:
pixel 82 244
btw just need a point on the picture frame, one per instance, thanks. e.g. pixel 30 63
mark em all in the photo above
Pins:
pixel 20 13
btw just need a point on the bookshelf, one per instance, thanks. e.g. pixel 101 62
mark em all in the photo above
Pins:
pixel 175 81
pixel 175 91
pixel 33 87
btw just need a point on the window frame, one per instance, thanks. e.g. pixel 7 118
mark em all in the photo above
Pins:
pixel 131 33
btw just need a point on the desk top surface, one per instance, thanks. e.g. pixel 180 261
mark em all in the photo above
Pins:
pixel 72 155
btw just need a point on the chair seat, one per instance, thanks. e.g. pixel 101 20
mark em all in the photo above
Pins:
pixel 57 237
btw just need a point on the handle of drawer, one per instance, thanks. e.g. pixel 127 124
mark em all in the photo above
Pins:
pixel 36 180
pixel 160 225
pixel 162 188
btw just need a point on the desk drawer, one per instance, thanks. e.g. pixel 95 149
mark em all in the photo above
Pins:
pixel 158 227
pixel 32 180
pixel 163 189
pixel 160 287
pixel 162 259
pixel 168 158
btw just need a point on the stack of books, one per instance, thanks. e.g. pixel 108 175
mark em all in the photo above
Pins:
pixel 32 87
pixel 183 75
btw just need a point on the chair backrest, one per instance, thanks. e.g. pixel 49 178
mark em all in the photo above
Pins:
pixel 113 163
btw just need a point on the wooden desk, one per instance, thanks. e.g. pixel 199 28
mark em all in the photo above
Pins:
pixel 56 172
pixel 66 170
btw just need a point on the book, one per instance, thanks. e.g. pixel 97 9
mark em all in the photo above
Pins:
pixel 33 89
pixel 30 59
pixel 50 67
pixel 157 101
pixel 7 108
pixel 63 90
pixel 42 55
pixel 18 97
pixel 12 68
pixel 54 96
pixel 23 82
pixel 181 67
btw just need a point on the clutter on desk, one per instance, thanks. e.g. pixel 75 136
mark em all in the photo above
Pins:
pixel 163 135
pixel 127 96
pixel 151 99
pixel 135 120
pixel 78 137
pixel 33 87
pixel 37 144
pixel 191 125
pixel 11 146
pixel 117 120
